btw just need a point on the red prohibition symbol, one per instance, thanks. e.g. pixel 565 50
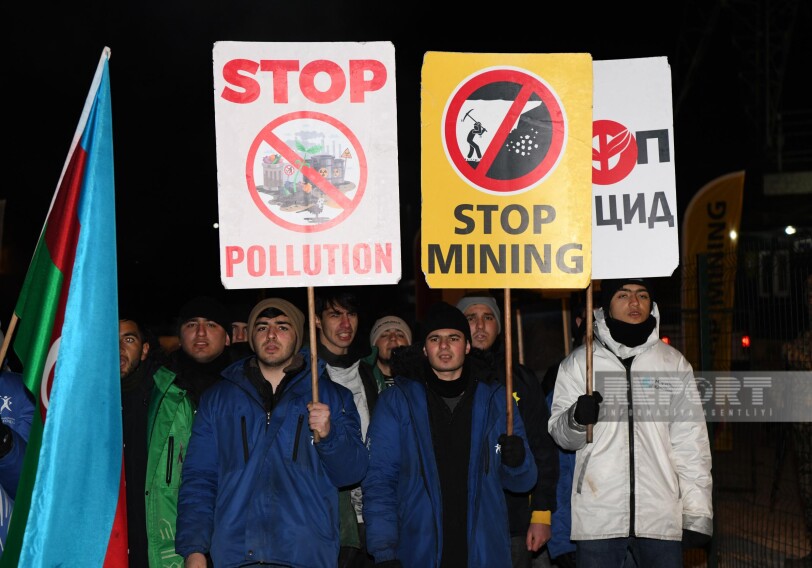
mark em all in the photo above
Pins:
pixel 504 130
pixel 295 193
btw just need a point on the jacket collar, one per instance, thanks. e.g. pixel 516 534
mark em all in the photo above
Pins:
pixel 623 351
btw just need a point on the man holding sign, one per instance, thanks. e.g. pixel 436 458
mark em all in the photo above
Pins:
pixel 644 483
pixel 529 513
pixel 256 487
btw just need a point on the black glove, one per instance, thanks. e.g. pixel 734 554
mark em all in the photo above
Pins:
pixel 694 539
pixel 389 564
pixel 512 450
pixel 6 439
pixel 587 408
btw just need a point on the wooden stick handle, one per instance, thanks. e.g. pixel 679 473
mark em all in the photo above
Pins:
pixel 589 353
pixel 314 348
pixel 508 361
pixel 519 337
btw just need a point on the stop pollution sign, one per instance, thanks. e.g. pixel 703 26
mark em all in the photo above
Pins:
pixel 307 164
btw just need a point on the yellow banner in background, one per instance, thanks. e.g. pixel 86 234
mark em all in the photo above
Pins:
pixel 710 230
pixel 506 170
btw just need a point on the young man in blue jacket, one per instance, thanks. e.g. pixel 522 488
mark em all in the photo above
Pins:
pixel 440 458
pixel 257 488
pixel 530 513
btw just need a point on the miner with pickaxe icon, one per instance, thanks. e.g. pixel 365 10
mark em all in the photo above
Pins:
pixel 477 129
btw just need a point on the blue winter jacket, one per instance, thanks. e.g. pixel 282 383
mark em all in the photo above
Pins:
pixel 255 487
pixel 17 409
pixel 402 500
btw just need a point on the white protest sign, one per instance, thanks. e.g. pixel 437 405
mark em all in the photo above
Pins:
pixel 634 208
pixel 307 166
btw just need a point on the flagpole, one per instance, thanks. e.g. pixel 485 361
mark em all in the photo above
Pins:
pixel 70 288
pixel 7 339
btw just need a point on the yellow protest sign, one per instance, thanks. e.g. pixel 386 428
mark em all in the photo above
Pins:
pixel 506 170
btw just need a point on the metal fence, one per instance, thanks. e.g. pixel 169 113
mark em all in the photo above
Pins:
pixel 758 505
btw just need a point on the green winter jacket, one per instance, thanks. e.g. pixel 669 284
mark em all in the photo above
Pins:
pixel 169 428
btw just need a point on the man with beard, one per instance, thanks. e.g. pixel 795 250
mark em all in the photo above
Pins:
pixel 529 513
pixel 139 355
pixel 644 482
pixel 257 488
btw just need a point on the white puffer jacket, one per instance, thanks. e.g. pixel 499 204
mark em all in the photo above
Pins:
pixel 662 469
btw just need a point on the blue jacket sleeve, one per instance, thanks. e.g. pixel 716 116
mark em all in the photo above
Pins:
pixel 380 486
pixel 198 488
pixel 522 478
pixel 342 451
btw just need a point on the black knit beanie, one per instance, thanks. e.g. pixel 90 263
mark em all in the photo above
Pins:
pixel 609 287
pixel 205 307
pixel 443 315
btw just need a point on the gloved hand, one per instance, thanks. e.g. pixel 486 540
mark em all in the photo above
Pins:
pixel 694 539
pixel 389 564
pixel 512 450
pixel 587 408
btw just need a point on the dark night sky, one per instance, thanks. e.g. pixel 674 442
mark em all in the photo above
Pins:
pixel 163 114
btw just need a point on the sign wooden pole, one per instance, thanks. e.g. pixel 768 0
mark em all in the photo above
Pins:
pixel 589 353
pixel 508 361
pixel 314 348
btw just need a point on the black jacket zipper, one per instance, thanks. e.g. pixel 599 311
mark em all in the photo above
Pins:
pixel 244 430
pixel 296 439
pixel 170 457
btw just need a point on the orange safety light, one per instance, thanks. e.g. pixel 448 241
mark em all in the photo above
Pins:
pixel 745 341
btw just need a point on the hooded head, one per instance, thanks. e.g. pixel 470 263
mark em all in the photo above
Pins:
pixel 443 315
pixel 295 314
pixel 610 287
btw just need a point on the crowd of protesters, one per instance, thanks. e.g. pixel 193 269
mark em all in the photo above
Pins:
pixel 246 445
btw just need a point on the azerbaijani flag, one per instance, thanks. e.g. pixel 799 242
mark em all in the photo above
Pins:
pixel 68 343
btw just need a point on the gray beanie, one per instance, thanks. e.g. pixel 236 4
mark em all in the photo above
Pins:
pixel 489 301
pixel 387 322
pixel 295 314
